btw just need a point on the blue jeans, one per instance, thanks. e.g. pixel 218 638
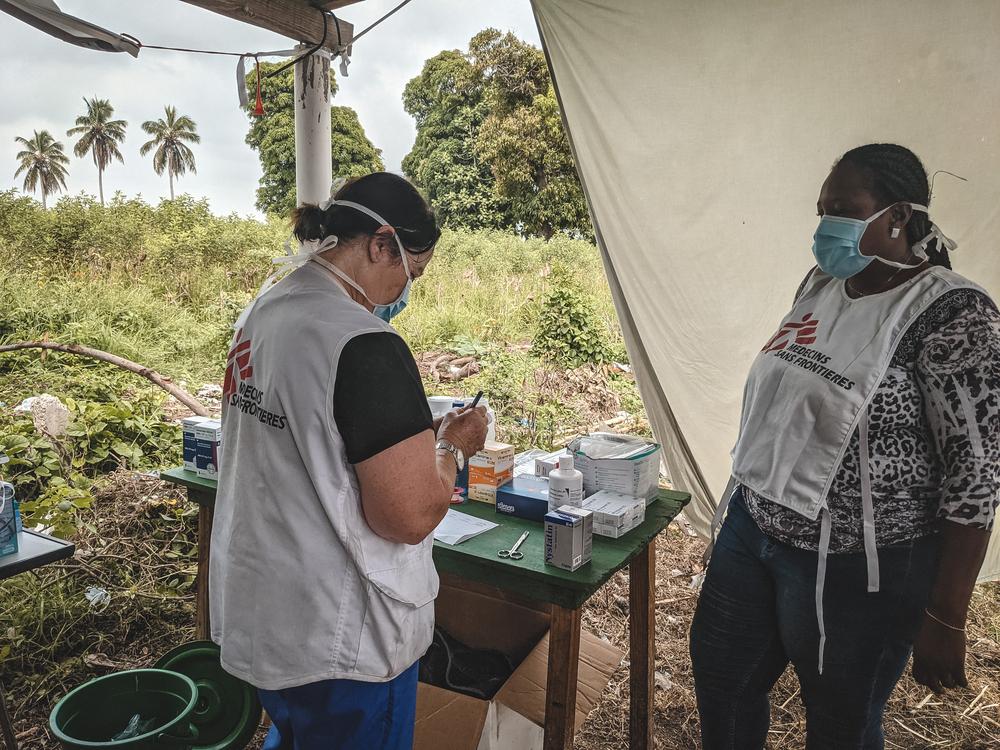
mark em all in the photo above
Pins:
pixel 343 715
pixel 757 613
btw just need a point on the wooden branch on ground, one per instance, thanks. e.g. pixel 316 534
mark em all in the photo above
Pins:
pixel 126 364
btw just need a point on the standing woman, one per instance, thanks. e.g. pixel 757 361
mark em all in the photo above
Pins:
pixel 866 475
pixel 332 479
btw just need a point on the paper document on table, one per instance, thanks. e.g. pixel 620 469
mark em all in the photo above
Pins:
pixel 457 527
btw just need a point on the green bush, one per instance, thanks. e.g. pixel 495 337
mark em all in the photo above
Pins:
pixel 568 329
pixel 53 477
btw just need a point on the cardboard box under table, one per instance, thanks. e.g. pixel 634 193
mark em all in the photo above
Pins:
pixel 484 617
pixel 531 583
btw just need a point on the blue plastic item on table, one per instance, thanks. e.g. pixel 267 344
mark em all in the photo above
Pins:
pixel 8 520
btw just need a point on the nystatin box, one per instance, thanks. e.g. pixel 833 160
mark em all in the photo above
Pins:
pixel 569 537
pixel 526 497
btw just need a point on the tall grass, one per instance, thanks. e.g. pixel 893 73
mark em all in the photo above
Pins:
pixel 162 285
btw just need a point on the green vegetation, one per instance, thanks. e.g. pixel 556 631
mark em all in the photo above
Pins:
pixel 568 331
pixel 53 477
pixel 162 286
pixel 272 136
pixel 491 151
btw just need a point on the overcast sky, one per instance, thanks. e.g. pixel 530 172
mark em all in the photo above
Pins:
pixel 43 80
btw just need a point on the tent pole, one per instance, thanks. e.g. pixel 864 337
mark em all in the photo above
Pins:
pixel 313 150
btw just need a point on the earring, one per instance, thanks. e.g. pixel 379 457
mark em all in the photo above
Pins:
pixel 894 233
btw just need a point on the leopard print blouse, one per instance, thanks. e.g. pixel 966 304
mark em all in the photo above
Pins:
pixel 934 437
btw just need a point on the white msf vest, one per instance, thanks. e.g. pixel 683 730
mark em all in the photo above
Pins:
pixel 301 588
pixel 809 390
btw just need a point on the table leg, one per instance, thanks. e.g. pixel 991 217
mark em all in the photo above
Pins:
pixel 642 647
pixel 203 628
pixel 5 723
pixel 564 664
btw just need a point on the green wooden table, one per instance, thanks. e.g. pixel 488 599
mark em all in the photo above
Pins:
pixel 201 491
pixel 562 592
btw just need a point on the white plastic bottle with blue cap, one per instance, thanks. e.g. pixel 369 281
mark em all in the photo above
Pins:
pixel 565 485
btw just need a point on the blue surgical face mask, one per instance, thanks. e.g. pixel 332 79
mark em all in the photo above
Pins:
pixel 837 245
pixel 388 311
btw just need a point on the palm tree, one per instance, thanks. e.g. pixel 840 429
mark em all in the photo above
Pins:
pixel 100 135
pixel 43 163
pixel 169 136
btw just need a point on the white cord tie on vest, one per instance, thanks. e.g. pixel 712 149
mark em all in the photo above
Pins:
pixel 867 505
pixel 824 550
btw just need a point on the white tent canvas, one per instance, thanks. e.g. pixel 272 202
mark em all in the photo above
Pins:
pixel 703 132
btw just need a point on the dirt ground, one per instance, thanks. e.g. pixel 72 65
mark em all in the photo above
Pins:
pixel 147 624
pixel 916 719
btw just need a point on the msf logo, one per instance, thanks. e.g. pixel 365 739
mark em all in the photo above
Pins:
pixel 803 333
pixel 238 365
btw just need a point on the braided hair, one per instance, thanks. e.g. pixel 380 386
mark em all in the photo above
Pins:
pixel 896 175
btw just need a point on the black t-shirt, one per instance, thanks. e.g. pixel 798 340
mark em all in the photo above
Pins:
pixel 378 398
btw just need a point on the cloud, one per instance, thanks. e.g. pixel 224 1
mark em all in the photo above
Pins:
pixel 44 81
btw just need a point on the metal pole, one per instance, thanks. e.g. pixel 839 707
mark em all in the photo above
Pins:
pixel 313 150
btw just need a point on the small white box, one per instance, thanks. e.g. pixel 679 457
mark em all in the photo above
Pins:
pixel 545 465
pixel 615 514
pixel 208 436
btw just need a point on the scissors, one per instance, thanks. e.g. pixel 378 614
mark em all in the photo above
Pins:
pixel 512 553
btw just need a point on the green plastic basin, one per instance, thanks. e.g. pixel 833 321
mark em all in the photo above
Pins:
pixel 98 710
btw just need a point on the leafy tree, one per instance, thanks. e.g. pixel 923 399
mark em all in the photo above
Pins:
pixel 447 102
pixel 490 148
pixel 170 138
pixel 43 163
pixel 272 136
pixel 100 135
pixel 523 138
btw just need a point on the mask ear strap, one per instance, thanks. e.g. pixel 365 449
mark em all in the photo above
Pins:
pixel 382 222
pixel 920 247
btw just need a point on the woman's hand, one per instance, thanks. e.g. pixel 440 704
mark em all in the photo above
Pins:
pixel 939 656
pixel 465 429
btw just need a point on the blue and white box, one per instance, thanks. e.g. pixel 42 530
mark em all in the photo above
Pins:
pixel 8 520
pixel 525 497
pixel 569 537
pixel 188 425
pixel 208 437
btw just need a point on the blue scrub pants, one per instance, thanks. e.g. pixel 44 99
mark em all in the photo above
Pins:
pixel 343 715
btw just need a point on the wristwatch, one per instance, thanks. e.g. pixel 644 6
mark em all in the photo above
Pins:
pixel 444 445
